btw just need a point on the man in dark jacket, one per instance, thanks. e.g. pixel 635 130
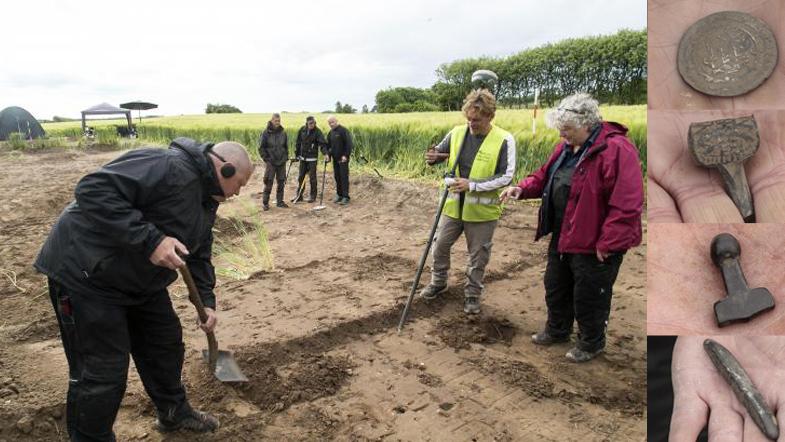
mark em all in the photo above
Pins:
pixel 306 149
pixel 109 259
pixel 339 146
pixel 274 150
pixel 592 199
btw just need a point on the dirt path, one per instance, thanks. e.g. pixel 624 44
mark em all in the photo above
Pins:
pixel 317 337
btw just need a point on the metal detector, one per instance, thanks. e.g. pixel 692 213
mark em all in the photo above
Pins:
pixel 321 206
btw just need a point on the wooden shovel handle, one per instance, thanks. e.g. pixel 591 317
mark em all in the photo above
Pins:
pixel 196 300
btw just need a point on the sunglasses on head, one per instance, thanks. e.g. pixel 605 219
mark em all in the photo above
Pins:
pixel 575 111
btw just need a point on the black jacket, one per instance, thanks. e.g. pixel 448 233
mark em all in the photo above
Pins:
pixel 101 244
pixel 274 145
pixel 309 143
pixel 339 143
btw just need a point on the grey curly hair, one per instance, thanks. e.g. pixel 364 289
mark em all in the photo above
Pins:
pixel 577 110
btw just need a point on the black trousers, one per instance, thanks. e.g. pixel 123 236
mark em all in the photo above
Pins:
pixel 309 168
pixel 341 173
pixel 579 288
pixel 98 338
pixel 277 174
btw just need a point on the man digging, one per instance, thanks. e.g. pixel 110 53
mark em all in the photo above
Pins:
pixel 110 257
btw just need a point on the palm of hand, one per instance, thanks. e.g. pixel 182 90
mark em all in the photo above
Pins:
pixel 681 191
pixel 699 391
pixel 683 283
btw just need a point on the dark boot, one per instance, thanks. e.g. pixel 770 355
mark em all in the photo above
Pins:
pixel 193 420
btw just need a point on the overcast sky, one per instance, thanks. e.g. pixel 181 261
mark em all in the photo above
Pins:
pixel 62 56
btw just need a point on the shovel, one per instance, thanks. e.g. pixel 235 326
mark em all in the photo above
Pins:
pixel 222 363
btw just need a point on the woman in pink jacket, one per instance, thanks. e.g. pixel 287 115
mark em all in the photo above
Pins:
pixel 592 198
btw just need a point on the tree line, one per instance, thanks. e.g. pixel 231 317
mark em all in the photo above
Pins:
pixel 612 68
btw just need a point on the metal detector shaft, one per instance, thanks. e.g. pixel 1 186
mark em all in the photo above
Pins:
pixel 423 258
pixel 289 169
pixel 324 175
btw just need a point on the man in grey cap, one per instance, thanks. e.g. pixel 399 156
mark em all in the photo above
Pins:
pixel 306 149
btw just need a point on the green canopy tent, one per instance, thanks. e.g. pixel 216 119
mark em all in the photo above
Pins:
pixel 16 119
pixel 105 109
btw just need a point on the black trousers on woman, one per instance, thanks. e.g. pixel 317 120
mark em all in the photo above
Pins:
pixel 579 288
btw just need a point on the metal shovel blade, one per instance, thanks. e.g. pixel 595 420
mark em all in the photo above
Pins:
pixel 226 368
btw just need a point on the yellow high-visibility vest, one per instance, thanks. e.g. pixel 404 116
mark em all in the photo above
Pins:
pixel 477 206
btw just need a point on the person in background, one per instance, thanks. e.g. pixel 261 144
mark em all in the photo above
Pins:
pixel 306 149
pixel 339 146
pixel 274 150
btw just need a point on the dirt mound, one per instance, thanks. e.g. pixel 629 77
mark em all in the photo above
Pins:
pixel 276 387
pixel 390 266
pixel 460 330
pixel 518 374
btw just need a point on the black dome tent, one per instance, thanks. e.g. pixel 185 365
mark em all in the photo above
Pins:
pixel 16 119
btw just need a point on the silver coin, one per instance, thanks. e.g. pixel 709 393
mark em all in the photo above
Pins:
pixel 727 53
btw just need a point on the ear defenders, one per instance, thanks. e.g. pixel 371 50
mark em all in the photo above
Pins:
pixel 227 169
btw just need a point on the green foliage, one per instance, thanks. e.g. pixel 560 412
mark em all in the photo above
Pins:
pixel 243 249
pixel 344 109
pixel 406 99
pixel 612 68
pixel 16 141
pixel 221 109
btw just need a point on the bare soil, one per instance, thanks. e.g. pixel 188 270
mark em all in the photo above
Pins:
pixel 317 334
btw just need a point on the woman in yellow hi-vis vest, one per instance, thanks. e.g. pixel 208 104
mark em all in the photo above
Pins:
pixel 486 164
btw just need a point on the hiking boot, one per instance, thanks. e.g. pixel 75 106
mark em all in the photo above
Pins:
pixel 431 291
pixel 282 205
pixel 265 207
pixel 337 199
pixel 471 305
pixel 545 338
pixel 577 355
pixel 310 199
pixel 344 201
pixel 194 420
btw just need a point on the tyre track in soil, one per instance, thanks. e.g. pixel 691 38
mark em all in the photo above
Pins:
pixel 316 336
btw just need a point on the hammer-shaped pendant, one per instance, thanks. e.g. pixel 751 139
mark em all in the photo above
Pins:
pixel 725 145
pixel 742 302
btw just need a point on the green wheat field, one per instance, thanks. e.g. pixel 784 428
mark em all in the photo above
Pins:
pixel 392 143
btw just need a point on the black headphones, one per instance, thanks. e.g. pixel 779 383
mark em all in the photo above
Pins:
pixel 227 169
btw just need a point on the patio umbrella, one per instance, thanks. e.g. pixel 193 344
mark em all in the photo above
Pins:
pixel 139 106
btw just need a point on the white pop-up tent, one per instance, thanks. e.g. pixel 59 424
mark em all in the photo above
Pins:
pixel 105 109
